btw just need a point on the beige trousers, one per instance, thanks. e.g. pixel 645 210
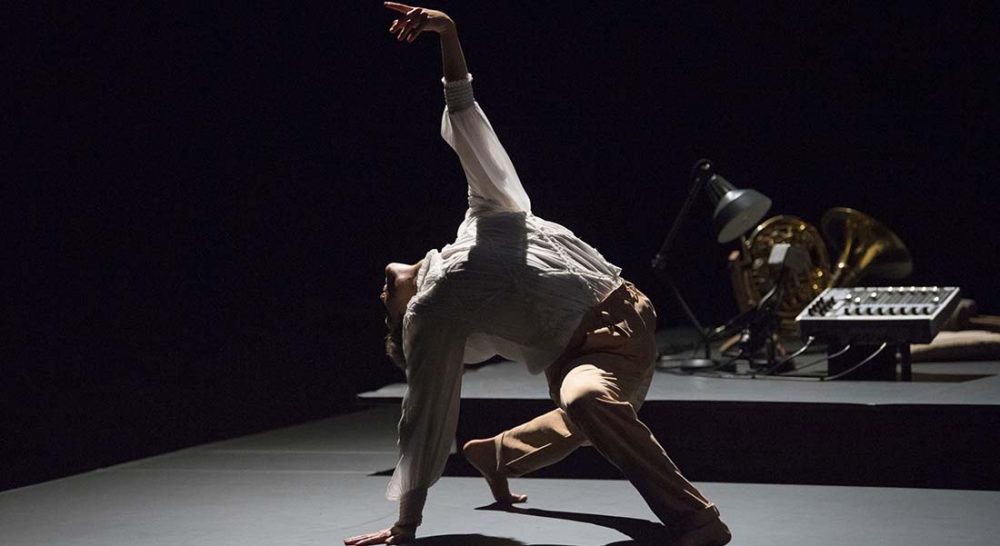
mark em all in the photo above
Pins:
pixel 598 384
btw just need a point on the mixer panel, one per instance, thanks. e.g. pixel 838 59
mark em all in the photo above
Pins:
pixel 892 314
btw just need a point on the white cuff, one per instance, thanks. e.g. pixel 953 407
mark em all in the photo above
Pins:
pixel 458 94
pixel 411 508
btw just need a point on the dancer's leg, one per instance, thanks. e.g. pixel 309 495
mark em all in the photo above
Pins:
pixel 592 399
pixel 603 387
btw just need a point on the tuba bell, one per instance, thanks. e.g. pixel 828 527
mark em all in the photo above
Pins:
pixel 867 249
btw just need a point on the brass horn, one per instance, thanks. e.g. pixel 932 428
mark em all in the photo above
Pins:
pixel 752 277
pixel 867 248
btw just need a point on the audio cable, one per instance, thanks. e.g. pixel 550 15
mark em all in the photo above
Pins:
pixel 788 358
pixel 858 365
pixel 825 358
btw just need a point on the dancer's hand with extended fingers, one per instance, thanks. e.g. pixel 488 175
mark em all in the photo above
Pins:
pixel 415 20
pixel 392 535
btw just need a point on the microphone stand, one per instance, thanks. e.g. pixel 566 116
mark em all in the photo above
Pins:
pixel 757 326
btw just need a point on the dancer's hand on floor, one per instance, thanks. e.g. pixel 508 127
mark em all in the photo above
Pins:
pixel 392 535
pixel 416 20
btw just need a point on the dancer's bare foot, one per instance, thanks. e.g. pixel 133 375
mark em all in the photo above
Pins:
pixel 483 455
pixel 714 533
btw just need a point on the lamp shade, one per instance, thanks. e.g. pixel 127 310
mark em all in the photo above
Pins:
pixel 736 211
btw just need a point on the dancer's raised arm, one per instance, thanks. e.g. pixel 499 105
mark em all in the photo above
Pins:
pixel 493 181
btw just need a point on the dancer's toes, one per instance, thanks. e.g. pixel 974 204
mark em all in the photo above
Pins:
pixel 517 499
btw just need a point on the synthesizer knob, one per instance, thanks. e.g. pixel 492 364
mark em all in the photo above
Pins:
pixel 881 310
pixel 892 310
pixel 904 311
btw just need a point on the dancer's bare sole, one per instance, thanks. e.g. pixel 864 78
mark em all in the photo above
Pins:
pixel 482 454
pixel 714 533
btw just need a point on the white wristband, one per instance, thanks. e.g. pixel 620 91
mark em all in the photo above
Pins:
pixel 458 94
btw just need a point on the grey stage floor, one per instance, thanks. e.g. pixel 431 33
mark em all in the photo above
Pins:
pixel 313 484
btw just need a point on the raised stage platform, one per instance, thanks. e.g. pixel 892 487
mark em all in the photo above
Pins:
pixel 938 431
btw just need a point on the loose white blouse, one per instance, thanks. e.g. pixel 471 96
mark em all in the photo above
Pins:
pixel 511 284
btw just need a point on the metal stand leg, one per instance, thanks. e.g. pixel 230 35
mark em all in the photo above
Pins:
pixel 905 363
pixel 690 315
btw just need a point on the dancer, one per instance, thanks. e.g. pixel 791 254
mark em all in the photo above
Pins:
pixel 528 289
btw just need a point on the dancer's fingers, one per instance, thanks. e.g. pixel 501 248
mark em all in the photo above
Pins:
pixel 370 538
pixel 402 8
pixel 354 540
pixel 407 33
pixel 408 22
pixel 418 26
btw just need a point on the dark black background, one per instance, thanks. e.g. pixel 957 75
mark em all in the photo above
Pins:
pixel 198 200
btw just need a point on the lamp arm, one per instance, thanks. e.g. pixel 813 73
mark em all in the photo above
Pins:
pixel 700 168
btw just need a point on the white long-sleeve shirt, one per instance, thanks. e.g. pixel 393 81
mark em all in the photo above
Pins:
pixel 511 284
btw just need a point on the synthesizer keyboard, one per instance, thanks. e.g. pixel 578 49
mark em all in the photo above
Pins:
pixel 890 314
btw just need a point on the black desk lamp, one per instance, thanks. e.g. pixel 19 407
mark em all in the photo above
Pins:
pixel 736 212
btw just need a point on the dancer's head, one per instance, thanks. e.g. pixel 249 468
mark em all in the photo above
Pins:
pixel 400 285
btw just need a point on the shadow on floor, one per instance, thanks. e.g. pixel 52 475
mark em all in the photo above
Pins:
pixel 641 531
pixel 483 540
pixel 467 540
